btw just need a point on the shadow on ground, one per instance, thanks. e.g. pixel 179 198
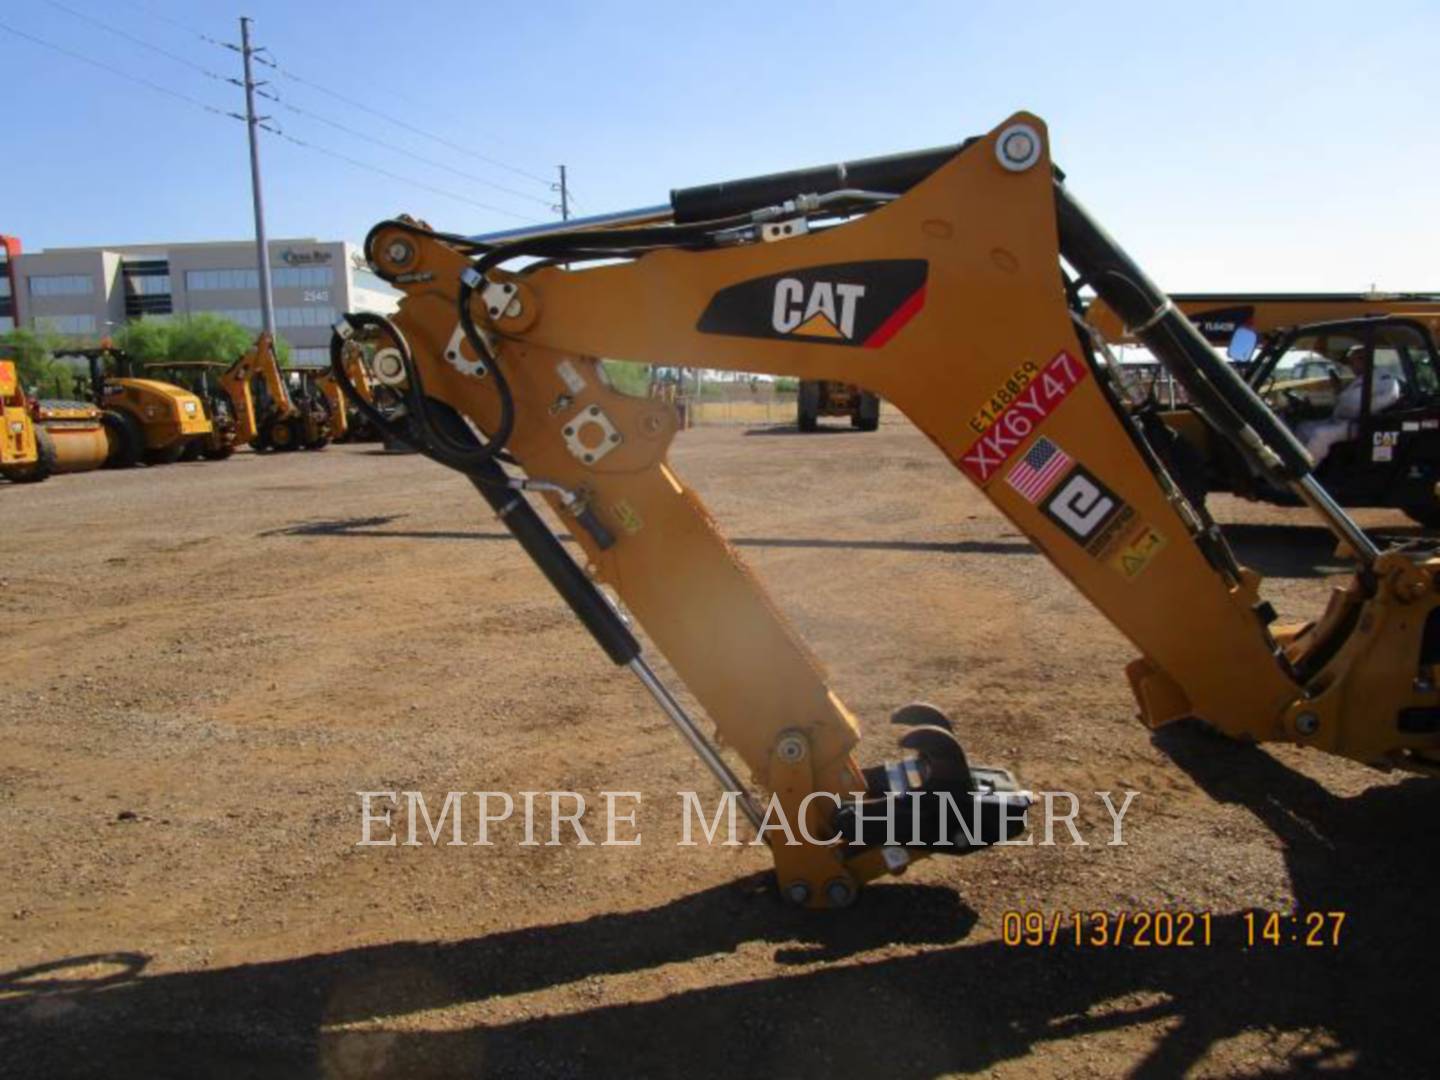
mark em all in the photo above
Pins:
pixel 375 528
pixel 1303 551
pixel 1364 1007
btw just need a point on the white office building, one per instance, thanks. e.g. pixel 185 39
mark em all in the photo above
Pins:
pixel 90 292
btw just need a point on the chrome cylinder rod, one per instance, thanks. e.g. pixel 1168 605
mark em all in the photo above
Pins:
pixel 1340 523
pixel 645 215
pixel 693 735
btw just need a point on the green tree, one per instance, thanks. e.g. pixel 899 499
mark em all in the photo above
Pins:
pixel 190 337
pixel 34 356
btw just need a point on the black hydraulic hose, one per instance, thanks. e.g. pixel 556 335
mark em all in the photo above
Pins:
pixel 569 580
pixel 1225 398
pixel 895 172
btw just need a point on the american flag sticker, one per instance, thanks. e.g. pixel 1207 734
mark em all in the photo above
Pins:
pixel 1037 472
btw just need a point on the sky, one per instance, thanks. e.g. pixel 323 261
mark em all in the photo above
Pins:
pixel 1227 146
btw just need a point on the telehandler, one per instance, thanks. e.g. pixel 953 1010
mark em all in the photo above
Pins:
pixel 1292 349
pixel 145 419
pixel 959 256
pixel 826 397
pixel 1219 315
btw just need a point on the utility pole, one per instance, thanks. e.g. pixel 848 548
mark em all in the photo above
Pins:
pixel 252 123
pixel 564 195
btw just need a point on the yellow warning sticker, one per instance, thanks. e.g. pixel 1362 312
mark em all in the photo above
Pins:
pixel 628 517
pixel 1138 549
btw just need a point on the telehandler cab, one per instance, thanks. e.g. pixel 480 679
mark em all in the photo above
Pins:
pixel 958 251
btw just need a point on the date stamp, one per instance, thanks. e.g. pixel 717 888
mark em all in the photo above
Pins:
pixel 1162 929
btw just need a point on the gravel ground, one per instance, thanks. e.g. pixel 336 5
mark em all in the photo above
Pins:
pixel 208 661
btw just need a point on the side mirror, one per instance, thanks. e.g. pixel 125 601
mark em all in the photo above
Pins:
pixel 1242 345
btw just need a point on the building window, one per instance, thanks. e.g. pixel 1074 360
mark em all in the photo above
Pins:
pixel 61 285
pixel 237 278
pixel 65 324
pixel 148 285
pixel 4 286
pixel 303 277
pixel 310 357
pixel 304 316
pixel 281 277
pixel 6 324
pixel 285 317
pixel 244 316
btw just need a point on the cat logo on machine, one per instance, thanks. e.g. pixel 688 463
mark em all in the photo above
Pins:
pixel 861 304
pixel 823 309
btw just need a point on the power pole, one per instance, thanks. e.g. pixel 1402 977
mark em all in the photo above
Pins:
pixel 252 123
pixel 564 195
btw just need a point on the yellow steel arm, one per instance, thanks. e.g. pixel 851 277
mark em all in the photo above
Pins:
pixel 950 303
pixel 259 360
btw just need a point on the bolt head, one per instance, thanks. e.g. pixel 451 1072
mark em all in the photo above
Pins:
pixel 790 749
pixel 399 251
pixel 798 893
pixel 1307 723
pixel 840 892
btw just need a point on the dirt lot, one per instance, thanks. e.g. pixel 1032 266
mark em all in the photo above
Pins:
pixel 207 662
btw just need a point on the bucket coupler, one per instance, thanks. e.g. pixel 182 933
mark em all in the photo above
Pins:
pixel 933 797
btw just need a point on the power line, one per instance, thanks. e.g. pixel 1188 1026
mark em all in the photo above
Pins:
pixel 286 73
pixel 114 70
pixel 394 176
pixel 138 41
pixel 353 103
pixel 312 115
pixel 157 88
pixel 284 104
pixel 177 23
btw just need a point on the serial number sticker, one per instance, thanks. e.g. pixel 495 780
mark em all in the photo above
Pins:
pixel 1008 392
pixel 1019 419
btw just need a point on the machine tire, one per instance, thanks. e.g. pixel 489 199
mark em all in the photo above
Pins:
pixel 866 416
pixel 192 450
pixel 284 436
pixel 807 405
pixel 43 465
pixel 129 439
pixel 168 456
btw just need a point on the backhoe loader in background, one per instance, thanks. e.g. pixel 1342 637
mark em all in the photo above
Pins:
pixel 267 414
pixel 969 260
pixel 146 420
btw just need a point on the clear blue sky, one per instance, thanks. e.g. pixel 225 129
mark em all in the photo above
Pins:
pixel 1227 145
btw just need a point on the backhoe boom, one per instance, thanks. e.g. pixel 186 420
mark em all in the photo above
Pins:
pixel 942 290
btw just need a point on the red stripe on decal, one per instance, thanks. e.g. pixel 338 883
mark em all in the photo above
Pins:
pixel 903 314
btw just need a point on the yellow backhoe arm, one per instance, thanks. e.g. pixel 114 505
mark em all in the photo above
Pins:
pixel 259 360
pixel 942 290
